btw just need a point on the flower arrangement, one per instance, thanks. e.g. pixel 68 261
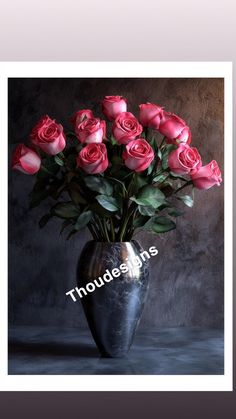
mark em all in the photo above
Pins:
pixel 115 179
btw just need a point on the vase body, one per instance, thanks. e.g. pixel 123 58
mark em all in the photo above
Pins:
pixel 113 304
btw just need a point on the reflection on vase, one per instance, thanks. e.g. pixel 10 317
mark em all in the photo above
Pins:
pixel 113 306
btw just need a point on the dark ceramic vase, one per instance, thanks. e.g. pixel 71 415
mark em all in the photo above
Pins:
pixel 113 304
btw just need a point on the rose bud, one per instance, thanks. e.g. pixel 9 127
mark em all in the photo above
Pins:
pixel 49 136
pixel 184 160
pixel 25 160
pixel 150 115
pixel 126 128
pixel 112 106
pixel 93 158
pixel 91 131
pixel 79 116
pixel 138 155
pixel 207 176
pixel 175 129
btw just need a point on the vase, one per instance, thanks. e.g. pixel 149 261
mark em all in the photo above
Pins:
pixel 113 281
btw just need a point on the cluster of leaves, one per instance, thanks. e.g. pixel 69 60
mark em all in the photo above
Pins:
pixel 115 204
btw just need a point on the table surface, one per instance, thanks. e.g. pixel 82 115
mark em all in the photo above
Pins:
pixel 162 351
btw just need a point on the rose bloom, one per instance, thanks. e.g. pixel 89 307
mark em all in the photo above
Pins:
pixel 138 155
pixel 49 136
pixel 207 176
pixel 25 160
pixel 93 158
pixel 112 106
pixel 126 128
pixel 91 131
pixel 175 129
pixel 150 115
pixel 184 160
pixel 79 116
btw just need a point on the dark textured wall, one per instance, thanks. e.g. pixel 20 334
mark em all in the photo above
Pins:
pixel 187 275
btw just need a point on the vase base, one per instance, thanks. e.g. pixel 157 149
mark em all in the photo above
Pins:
pixel 119 355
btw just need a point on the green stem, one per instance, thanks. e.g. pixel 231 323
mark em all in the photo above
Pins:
pixel 129 174
pixel 96 230
pixel 189 182
pixel 146 133
pixel 113 238
pixel 61 155
pixel 163 140
pixel 44 169
pixel 124 227
pixel 70 133
pixel 122 183
pixel 153 172
pixel 103 235
pixel 126 214
pixel 105 230
pixel 92 231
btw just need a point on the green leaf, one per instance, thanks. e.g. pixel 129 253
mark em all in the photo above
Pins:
pixel 99 210
pixel 58 160
pixel 99 184
pixel 140 221
pixel 79 148
pixel 65 210
pixel 187 200
pixel 108 202
pixel 174 212
pixel 161 177
pixel 116 160
pixel 37 196
pixel 119 186
pixel 75 193
pixel 57 187
pixel 165 155
pixel 44 220
pixel 150 167
pixel 160 224
pixel 71 234
pixel 139 182
pixel 48 168
pixel 174 175
pixel 147 211
pixel 159 153
pixel 113 140
pixel 65 224
pixel 149 196
pixel 71 162
pixel 153 143
pixel 83 219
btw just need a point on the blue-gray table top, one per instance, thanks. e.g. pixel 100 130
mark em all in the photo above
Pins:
pixel 162 351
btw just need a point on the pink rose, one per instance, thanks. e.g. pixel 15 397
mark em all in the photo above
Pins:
pixel 112 106
pixel 25 160
pixel 91 131
pixel 49 136
pixel 93 158
pixel 79 116
pixel 184 160
pixel 126 128
pixel 175 129
pixel 207 176
pixel 150 115
pixel 138 155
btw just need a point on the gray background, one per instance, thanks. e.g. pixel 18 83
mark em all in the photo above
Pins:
pixel 187 276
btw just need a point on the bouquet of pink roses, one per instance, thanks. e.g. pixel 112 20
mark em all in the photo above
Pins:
pixel 115 179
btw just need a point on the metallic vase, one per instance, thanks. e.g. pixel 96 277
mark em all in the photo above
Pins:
pixel 113 304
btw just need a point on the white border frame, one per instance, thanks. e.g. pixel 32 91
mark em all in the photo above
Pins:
pixel 117 382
